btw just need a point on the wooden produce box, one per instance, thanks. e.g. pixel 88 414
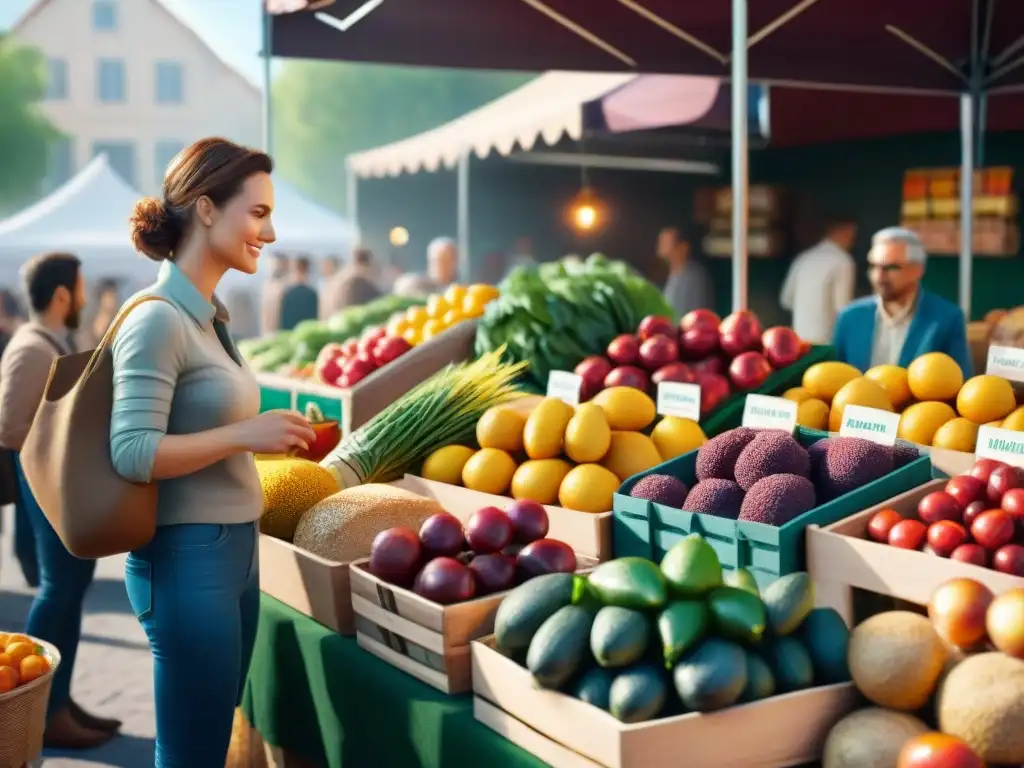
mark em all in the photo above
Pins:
pixel 781 731
pixel 356 406
pixel 841 557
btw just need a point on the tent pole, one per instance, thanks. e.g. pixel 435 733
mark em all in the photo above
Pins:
pixel 740 170
pixel 462 216
pixel 967 149
pixel 267 58
pixel 352 197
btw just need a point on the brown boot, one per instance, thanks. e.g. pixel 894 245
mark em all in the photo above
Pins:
pixel 64 732
pixel 92 722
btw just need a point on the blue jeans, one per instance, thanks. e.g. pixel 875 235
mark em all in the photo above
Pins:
pixel 195 590
pixel 56 612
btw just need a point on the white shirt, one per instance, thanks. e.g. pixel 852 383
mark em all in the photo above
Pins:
pixel 819 284
pixel 891 333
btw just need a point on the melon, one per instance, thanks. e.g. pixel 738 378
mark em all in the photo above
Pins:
pixel 870 737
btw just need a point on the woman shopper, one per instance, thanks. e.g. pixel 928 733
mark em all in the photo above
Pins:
pixel 186 415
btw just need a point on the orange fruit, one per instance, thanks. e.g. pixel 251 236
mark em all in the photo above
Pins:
pixel 431 328
pixel 3 639
pixel 8 679
pixel 16 637
pixel 455 295
pixel 986 398
pixel 7 661
pixel 33 667
pixel 935 376
pixel 453 316
pixel 18 651
pixel 472 306
pixel 893 379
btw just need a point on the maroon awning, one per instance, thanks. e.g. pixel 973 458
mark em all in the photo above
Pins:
pixel 865 43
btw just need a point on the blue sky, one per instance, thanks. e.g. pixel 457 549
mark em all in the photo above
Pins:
pixel 230 27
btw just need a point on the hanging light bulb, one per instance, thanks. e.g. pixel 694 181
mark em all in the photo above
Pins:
pixel 586 213
pixel 399 236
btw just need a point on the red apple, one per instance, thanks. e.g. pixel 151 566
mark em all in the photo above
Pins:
pixel 1001 480
pixel 1009 559
pixel 945 536
pixel 781 346
pixel 881 523
pixel 627 376
pixel 624 350
pixel 908 534
pixel 655 325
pixel 740 332
pixel 699 317
pixel 369 340
pixel 357 369
pixel 327 367
pixel 974 554
pixel 748 370
pixel 939 505
pixel 966 489
pixel 390 348
pixel 658 351
pixel 992 529
pixel 972 511
pixel 983 468
pixel 698 342
pixel 1013 503
pixel 592 371
pixel 713 390
pixel 674 372
pixel 713 364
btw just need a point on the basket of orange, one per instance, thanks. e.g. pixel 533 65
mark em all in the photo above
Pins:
pixel 26 673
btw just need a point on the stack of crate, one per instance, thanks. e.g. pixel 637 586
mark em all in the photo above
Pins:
pixel 931 207
pixel 767 224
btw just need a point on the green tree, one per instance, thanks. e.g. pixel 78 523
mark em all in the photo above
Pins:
pixel 25 132
pixel 323 111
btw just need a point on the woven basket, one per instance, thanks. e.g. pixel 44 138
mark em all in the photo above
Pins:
pixel 23 715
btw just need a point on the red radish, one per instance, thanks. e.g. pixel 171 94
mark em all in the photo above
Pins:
pixel 881 523
pixel 704 318
pixel 908 534
pixel 740 332
pixel 655 325
pixel 992 529
pixel 658 351
pixel 945 536
pixel 624 350
pixel 748 370
pixel 781 346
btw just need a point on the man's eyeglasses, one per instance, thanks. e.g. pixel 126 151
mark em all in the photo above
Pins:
pixel 889 269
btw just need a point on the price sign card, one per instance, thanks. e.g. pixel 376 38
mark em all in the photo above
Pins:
pixel 764 412
pixel 565 386
pixel 1001 444
pixel 870 424
pixel 1006 362
pixel 678 399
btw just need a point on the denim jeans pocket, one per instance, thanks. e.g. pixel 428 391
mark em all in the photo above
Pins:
pixel 138 583
pixel 190 536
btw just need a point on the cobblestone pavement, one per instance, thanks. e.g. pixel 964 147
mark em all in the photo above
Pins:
pixel 113 672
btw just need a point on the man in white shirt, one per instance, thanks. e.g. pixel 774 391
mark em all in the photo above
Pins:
pixel 820 283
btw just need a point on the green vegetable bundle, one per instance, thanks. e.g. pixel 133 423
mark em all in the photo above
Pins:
pixel 556 314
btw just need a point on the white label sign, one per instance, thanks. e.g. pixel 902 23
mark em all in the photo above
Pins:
pixel 764 412
pixel 679 399
pixel 1007 362
pixel 565 386
pixel 872 424
pixel 1001 444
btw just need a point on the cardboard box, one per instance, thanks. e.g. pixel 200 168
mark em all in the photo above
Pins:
pixel 841 557
pixel 784 730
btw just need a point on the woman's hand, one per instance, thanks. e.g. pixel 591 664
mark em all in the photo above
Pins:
pixel 275 432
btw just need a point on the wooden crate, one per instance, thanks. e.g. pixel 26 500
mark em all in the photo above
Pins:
pixel 781 731
pixel 842 557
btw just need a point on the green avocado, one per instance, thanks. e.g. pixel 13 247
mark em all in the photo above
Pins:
pixel 619 636
pixel 638 694
pixel 788 601
pixel 528 606
pixel 827 638
pixel 629 582
pixel 559 649
pixel 712 676
pixel 691 567
pixel 741 578
pixel 594 687
pixel 791 664
pixel 760 680
pixel 736 614
pixel 681 626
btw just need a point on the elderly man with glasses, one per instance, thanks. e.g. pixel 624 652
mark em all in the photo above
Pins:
pixel 903 320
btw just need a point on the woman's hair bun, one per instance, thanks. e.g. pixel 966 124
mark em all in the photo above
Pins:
pixel 155 230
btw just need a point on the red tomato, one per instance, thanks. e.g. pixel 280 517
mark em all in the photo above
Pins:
pixel 908 534
pixel 881 523
pixel 945 536
pixel 938 750
pixel 993 528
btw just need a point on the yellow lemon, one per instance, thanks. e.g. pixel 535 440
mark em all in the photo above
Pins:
pixel 797 394
pixel 587 435
pixel 893 379
pixel 986 398
pixel 627 408
pixel 544 434
pixel 455 294
pixel 1015 421
pixel 813 414
pixel 935 376
pixel 489 470
pixel 921 421
pixel 502 428
pixel 630 453
pixel 674 436
pixel 859 391
pixel 483 293
pixel 453 316
pixel 431 328
pixel 445 465
pixel 539 480
pixel 588 488
pixel 824 380
pixel 397 326
pixel 956 435
pixel 437 307
pixel 472 306
pixel 413 336
pixel 416 316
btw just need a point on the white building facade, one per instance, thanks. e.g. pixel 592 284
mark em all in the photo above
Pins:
pixel 130 79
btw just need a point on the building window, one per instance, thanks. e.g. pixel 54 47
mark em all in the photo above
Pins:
pixel 104 15
pixel 56 79
pixel 165 152
pixel 170 84
pixel 120 155
pixel 110 81
pixel 61 163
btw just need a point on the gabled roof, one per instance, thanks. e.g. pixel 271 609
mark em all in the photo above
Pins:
pixel 38 6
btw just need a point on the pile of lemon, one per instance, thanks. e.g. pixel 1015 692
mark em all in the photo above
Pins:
pixel 936 406
pixel 442 311
pixel 553 453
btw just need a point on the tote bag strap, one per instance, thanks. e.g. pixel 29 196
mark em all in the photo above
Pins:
pixel 108 337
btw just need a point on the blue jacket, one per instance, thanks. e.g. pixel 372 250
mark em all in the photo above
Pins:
pixel 937 326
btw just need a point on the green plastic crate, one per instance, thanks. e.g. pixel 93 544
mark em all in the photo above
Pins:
pixel 649 530
pixel 273 398
pixel 729 414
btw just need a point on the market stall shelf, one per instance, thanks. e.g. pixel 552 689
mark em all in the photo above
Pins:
pixel 534 742
pixel 842 557
pixel 784 730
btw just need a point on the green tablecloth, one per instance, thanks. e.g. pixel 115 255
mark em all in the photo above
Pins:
pixel 318 695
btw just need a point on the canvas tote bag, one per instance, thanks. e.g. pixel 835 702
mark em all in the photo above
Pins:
pixel 67 463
